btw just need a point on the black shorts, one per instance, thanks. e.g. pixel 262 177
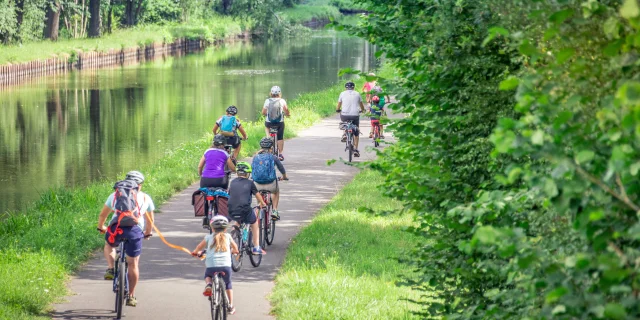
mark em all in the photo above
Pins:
pixel 213 182
pixel 279 125
pixel 234 141
pixel 354 119
pixel 245 216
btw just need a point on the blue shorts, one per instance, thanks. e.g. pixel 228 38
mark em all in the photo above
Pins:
pixel 247 217
pixel 226 276
pixel 133 247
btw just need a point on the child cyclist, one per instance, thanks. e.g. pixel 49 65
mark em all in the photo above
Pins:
pixel 240 192
pixel 376 110
pixel 219 247
pixel 229 125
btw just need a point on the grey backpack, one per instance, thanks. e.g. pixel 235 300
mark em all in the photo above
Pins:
pixel 274 110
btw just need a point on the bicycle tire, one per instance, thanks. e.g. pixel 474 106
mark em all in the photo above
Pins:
pixel 218 307
pixel 255 259
pixel 236 262
pixel 376 136
pixel 120 292
pixel 270 226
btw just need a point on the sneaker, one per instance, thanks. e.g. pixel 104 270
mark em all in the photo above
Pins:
pixel 370 135
pixel 109 274
pixel 131 301
pixel 256 251
pixel 231 309
pixel 274 215
pixel 381 137
pixel 344 138
pixel 356 153
pixel 207 290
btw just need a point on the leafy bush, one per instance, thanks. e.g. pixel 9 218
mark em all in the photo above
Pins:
pixel 531 211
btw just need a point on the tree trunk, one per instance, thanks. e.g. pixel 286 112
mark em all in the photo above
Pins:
pixel 129 13
pixel 95 19
pixel 19 16
pixel 109 17
pixel 52 21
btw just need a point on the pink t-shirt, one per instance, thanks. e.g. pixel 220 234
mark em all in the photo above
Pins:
pixel 368 86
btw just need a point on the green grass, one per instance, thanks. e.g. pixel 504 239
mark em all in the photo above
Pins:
pixel 39 248
pixel 344 264
pixel 213 29
pixel 304 13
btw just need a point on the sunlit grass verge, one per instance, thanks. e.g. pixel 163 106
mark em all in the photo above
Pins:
pixel 344 264
pixel 39 248
pixel 304 13
pixel 216 28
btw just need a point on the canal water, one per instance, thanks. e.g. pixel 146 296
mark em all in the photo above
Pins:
pixel 72 129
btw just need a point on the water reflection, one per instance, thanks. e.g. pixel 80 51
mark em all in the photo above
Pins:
pixel 75 128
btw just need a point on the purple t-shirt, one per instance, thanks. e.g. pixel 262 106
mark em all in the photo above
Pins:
pixel 214 163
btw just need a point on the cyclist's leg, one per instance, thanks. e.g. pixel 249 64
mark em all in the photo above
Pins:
pixel 252 221
pixel 267 125
pixel 133 249
pixel 281 137
pixel 237 146
pixel 356 138
pixel 109 252
pixel 227 282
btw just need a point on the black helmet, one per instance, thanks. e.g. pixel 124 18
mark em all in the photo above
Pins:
pixel 135 176
pixel 350 85
pixel 266 143
pixel 232 110
pixel 219 140
pixel 219 223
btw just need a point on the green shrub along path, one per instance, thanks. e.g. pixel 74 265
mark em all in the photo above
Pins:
pixel 344 264
pixel 39 248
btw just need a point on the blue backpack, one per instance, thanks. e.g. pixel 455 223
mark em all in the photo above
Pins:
pixel 228 126
pixel 263 168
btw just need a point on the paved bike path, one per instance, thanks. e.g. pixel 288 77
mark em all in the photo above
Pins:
pixel 171 281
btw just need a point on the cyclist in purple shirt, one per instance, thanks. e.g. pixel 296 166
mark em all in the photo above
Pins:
pixel 212 164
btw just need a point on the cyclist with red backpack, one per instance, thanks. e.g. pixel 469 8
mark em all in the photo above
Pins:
pixel 264 173
pixel 376 110
pixel 275 109
pixel 229 125
pixel 131 207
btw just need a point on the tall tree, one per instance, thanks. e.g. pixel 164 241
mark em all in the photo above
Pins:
pixel 95 19
pixel 52 20
pixel 19 16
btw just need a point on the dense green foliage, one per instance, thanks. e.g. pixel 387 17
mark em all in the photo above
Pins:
pixel 40 247
pixel 529 198
pixel 348 260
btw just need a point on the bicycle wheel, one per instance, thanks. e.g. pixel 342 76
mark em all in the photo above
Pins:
pixel 218 307
pixel 120 292
pixel 376 136
pixel 254 258
pixel 270 226
pixel 236 259
pixel 350 147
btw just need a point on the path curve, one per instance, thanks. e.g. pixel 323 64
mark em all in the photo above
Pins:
pixel 171 282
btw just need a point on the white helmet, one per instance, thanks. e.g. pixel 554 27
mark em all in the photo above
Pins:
pixel 275 90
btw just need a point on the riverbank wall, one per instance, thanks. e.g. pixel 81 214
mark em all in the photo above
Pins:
pixel 12 74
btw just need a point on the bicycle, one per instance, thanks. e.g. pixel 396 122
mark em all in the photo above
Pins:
pixel 267 224
pixel 213 202
pixel 273 133
pixel 218 299
pixel 349 130
pixel 120 277
pixel 376 132
pixel 243 236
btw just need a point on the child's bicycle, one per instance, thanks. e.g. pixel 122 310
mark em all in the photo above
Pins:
pixel 242 235
pixel 376 132
pixel 218 299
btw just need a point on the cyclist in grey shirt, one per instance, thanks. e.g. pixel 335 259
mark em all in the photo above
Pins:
pixel 350 105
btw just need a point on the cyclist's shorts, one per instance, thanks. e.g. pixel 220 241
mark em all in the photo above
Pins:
pixel 234 141
pixel 226 276
pixel 133 247
pixel 247 217
pixel 271 187
pixel 279 125
pixel 213 182
pixel 375 122
pixel 354 119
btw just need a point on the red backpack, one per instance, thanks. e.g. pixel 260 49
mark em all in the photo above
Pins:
pixel 125 203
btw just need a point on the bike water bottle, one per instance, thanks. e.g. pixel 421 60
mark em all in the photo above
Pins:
pixel 245 235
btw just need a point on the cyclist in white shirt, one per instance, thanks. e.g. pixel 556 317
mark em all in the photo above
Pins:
pixel 350 105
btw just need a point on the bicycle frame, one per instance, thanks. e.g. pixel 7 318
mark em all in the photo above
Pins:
pixel 121 258
pixel 273 133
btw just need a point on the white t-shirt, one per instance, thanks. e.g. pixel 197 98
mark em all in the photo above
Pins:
pixel 284 107
pixel 144 202
pixel 351 100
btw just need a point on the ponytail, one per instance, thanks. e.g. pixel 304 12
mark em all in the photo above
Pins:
pixel 220 242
